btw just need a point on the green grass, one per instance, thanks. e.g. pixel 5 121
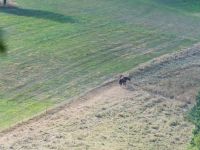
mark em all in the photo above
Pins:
pixel 14 112
pixel 194 116
pixel 57 50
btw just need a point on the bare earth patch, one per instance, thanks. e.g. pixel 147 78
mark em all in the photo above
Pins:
pixel 10 3
pixel 115 118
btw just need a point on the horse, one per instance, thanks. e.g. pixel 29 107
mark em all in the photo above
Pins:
pixel 123 80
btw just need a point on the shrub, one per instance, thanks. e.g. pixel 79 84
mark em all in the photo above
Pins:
pixel 2 44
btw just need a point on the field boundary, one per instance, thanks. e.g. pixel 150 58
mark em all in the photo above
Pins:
pixel 107 84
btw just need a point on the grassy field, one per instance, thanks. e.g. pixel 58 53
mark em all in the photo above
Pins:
pixel 143 117
pixel 58 50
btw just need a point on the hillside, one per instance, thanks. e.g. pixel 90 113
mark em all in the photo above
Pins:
pixel 112 117
pixel 58 50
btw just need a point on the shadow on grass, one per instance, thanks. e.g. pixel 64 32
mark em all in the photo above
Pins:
pixel 40 14
pixel 191 6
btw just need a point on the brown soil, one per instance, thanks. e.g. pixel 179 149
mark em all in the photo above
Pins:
pixel 10 4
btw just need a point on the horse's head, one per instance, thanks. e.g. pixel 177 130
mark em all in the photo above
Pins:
pixel 121 76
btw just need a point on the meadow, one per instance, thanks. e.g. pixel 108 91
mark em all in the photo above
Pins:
pixel 57 50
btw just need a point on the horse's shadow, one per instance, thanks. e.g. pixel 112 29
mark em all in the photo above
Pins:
pixel 129 86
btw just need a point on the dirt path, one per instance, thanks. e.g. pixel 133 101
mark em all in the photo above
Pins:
pixel 114 118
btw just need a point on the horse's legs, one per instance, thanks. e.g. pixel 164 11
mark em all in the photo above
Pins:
pixel 124 83
pixel 120 83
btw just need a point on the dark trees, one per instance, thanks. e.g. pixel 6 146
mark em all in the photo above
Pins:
pixel 4 2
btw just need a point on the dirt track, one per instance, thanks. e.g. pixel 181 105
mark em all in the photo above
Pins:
pixel 141 117
pixel 115 118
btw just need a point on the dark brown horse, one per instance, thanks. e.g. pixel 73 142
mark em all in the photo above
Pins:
pixel 123 80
